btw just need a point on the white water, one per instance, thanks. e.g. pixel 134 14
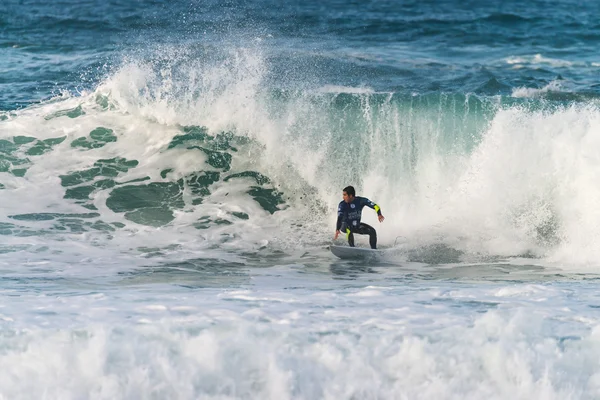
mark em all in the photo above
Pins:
pixel 265 340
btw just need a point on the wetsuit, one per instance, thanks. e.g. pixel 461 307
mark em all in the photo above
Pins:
pixel 349 219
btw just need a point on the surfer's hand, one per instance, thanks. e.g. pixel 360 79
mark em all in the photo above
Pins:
pixel 380 217
pixel 337 233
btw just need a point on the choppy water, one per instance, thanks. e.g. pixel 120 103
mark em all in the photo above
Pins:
pixel 169 174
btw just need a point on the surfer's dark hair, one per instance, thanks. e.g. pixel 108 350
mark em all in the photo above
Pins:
pixel 350 191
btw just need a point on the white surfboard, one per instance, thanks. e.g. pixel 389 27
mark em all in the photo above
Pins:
pixel 354 253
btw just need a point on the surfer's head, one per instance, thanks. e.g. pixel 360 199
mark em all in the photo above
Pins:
pixel 349 194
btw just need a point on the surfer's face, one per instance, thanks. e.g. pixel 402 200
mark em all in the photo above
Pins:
pixel 347 197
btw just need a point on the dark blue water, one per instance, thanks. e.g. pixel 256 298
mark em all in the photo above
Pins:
pixel 406 46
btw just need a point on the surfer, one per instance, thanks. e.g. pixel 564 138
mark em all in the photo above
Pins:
pixel 349 213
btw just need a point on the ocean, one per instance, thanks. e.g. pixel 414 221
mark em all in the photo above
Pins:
pixel 170 173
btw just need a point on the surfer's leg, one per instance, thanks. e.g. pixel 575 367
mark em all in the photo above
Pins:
pixel 365 229
pixel 350 237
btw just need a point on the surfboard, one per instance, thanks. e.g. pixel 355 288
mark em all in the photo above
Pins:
pixel 354 253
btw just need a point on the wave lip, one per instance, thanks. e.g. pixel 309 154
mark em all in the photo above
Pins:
pixel 345 89
pixel 538 59
pixel 524 92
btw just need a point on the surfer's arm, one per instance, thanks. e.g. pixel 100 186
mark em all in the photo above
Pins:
pixel 340 217
pixel 375 207
pixel 372 205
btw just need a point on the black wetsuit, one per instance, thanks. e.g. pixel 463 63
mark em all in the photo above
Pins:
pixel 349 215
